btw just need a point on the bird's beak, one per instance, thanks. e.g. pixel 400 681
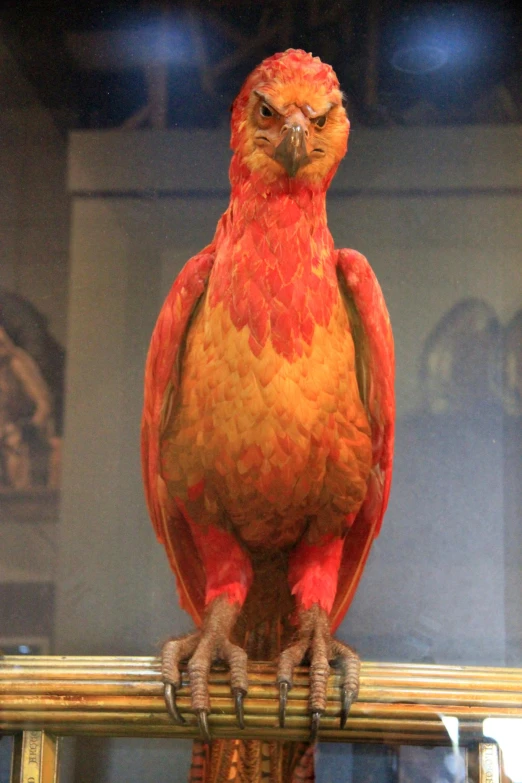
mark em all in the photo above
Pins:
pixel 291 153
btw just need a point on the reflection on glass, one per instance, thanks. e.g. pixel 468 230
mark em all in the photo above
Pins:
pixel 452 727
pixel 432 765
pixel 507 732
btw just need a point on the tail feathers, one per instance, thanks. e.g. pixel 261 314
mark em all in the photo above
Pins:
pixel 300 763
pixel 199 767
pixel 255 761
pixel 252 761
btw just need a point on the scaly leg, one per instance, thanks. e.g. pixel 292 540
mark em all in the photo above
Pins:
pixel 313 576
pixel 228 577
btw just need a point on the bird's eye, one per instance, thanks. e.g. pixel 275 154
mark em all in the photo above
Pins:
pixel 265 111
pixel 320 122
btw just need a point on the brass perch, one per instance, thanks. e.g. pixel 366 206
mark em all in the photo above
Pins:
pixel 123 696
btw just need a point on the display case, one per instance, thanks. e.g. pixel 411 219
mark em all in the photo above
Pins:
pixel 105 200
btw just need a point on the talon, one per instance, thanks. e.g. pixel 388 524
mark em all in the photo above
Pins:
pixel 346 703
pixel 283 698
pixel 202 716
pixel 170 701
pixel 239 696
pixel 314 728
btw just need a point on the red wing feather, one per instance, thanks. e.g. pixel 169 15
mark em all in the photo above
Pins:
pixel 374 343
pixel 161 386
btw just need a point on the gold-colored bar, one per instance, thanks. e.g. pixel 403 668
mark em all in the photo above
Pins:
pixel 117 696
pixel 121 697
pixel 35 758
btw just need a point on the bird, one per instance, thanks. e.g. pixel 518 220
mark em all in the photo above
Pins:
pixel 268 420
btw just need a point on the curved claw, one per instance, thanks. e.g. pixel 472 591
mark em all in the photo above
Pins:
pixel 239 696
pixel 283 699
pixel 170 700
pixel 202 716
pixel 346 703
pixel 314 728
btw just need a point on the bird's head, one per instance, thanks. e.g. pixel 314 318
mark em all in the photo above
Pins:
pixel 289 120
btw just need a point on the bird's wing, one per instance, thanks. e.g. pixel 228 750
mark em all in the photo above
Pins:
pixel 376 374
pixel 162 381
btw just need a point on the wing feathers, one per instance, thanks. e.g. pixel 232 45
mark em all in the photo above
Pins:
pixel 162 377
pixel 376 376
pixel 378 373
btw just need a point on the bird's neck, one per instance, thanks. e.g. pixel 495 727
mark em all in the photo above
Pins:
pixel 275 263
pixel 279 209
pixel 280 224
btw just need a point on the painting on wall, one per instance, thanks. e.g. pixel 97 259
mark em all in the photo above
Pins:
pixel 31 408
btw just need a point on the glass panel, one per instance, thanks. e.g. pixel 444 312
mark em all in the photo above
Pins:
pixel 114 157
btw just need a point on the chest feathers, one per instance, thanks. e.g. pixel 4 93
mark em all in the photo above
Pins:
pixel 275 270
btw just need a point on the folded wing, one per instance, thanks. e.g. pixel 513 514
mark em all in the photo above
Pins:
pixel 162 380
pixel 375 371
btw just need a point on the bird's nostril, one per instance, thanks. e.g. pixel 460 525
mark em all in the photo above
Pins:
pixel 295 129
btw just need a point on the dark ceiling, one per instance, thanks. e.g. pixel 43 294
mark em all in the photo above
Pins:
pixel 96 64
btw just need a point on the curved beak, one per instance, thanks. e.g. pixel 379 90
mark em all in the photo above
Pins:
pixel 291 153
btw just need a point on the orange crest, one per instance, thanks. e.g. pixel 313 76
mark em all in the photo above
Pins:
pixel 294 72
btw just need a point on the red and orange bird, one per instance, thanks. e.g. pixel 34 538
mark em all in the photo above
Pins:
pixel 268 422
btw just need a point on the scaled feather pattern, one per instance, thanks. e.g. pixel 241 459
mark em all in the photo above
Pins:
pixel 267 435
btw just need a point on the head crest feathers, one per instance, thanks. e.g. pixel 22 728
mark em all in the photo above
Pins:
pixel 288 66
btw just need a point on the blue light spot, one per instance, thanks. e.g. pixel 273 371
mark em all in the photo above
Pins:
pixel 420 59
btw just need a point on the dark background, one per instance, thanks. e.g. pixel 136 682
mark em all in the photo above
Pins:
pixel 403 62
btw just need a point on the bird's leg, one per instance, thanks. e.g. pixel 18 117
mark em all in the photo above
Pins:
pixel 227 581
pixel 315 643
pixel 203 648
pixel 313 576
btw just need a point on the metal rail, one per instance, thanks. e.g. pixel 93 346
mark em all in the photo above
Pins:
pixel 122 696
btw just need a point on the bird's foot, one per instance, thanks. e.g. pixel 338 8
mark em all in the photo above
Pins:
pixel 201 649
pixel 315 643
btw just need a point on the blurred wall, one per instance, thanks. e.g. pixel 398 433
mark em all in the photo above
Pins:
pixel 34 204
pixel 34 254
